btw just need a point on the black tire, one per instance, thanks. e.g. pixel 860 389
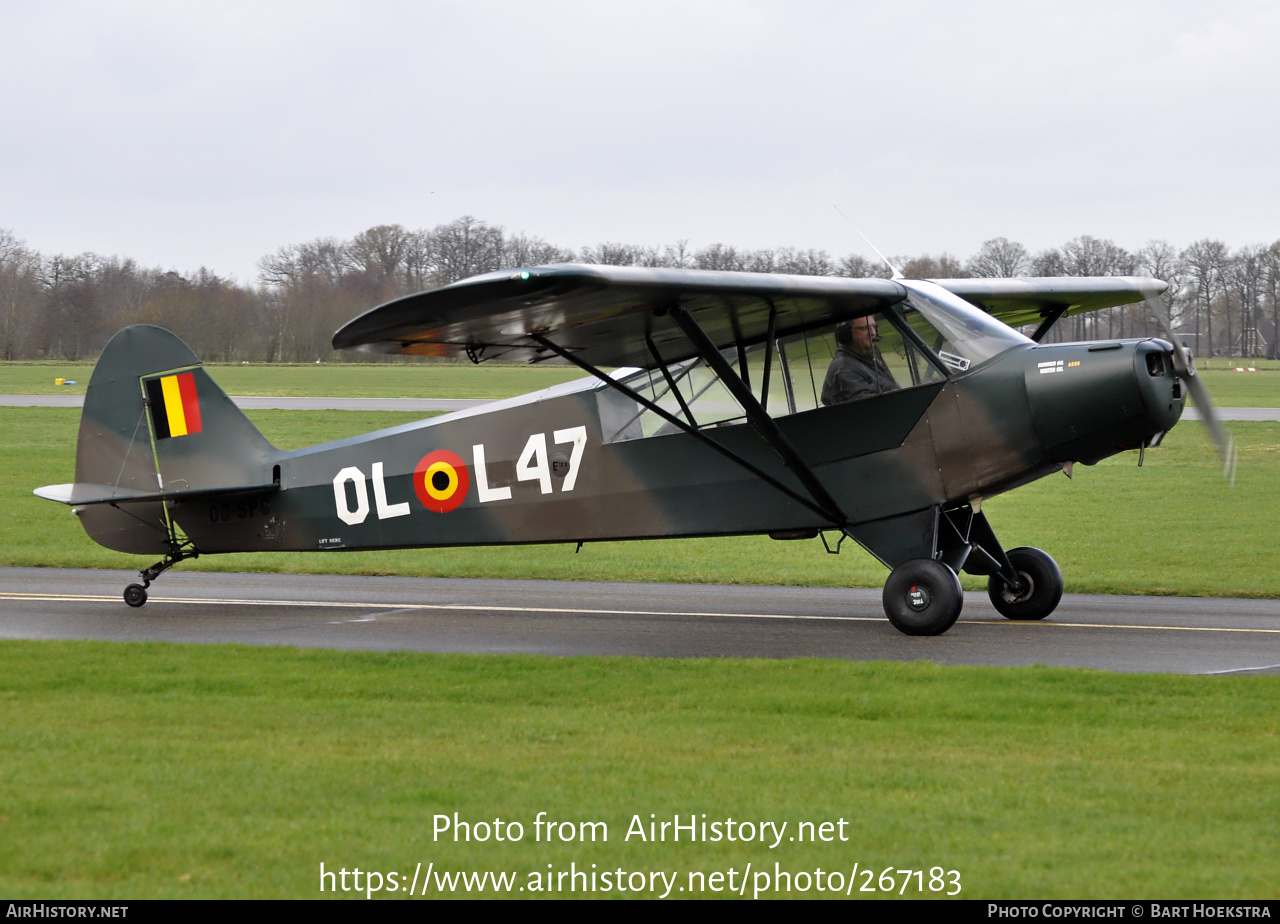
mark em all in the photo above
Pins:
pixel 135 595
pixel 922 597
pixel 1042 596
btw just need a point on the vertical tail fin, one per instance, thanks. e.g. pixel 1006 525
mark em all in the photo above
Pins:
pixel 154 422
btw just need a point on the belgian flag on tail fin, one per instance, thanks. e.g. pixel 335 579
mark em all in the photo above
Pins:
pixel 175 407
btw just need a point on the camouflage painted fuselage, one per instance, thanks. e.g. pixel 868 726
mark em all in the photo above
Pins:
pixel 537 469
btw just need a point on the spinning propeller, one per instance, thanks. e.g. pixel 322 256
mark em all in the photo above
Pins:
pixel 1184 367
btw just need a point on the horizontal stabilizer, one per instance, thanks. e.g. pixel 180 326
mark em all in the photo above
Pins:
pixel 81 495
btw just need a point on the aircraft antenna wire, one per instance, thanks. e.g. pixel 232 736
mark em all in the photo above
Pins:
pixel 897 273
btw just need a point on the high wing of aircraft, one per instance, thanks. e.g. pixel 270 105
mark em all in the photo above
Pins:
pixel 715 404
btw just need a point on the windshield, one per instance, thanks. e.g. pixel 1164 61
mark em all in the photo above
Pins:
pixel 854 360
pixel 960 334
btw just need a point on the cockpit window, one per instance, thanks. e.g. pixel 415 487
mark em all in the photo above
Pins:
pixel 861 358
pixel 958 333
pixel 703 395
pixel 854 360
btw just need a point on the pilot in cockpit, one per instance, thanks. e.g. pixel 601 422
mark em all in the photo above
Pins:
pixel 857 370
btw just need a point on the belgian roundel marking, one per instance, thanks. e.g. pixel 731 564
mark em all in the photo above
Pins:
pixel 441 481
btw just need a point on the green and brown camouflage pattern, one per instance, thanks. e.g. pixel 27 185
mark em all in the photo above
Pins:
pixel 891 462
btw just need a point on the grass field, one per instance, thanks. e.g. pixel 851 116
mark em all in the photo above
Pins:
pixel 463 380
pixel 358 380
pixel 1229 388
pixel 146 770
pixel 139 771
pixel 1171 527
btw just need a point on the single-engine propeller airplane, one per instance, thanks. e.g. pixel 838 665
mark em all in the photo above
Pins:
pixel 884 410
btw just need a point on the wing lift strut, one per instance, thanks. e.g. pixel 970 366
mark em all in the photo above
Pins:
pixel 962 537
pixel 819 500
pixel 1051 315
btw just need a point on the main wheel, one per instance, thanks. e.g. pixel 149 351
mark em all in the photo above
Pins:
pixel 1043 590
pixel 922 597
pixel 135 595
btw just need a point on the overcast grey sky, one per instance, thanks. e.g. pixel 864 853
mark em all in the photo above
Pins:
pixel 211 134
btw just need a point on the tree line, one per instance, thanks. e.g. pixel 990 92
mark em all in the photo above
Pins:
pixel 66 307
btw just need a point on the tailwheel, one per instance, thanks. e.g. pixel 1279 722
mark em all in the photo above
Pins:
pixel 922 597
pixel 1042 591
pixel 135 595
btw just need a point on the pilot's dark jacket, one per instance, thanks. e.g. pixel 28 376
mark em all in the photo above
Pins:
pixel 852 375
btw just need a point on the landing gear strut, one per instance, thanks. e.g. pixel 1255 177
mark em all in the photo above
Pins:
pixel 923 597
pixel 136 594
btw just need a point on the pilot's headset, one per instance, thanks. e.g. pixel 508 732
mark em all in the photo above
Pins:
pixel 844 333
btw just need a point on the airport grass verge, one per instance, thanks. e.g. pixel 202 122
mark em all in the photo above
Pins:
pixel 154 770
pixel 351 380
pixel 495 380
pixel 1173 527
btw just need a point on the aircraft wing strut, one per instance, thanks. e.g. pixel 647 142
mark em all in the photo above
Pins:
pixel 757 416
pixel 819 501
pixel 1043 300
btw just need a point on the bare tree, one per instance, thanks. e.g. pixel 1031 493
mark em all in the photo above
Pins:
pixel 612 254
pixel 1161 260
pixel 1246 279
pixel 927 267
pixel 19 294
pixel 67 305
pixel 10 247
pixel 1271 260
pixel 465 247
pixel 1087 256
pixel 381 250
pixel 73 317
pixel 677 255
pixel 283 273
pixel 418 261
pixel 523 250
pixel 767 260
pixel 280 268
pixel 1206 261
pixel 1048 263
pixel 856 266
pixel 307 282
pixel 329 257
pixel 1091 256
pixel 650 256
pixel 809 262
pixel 999 258
pixel 721 257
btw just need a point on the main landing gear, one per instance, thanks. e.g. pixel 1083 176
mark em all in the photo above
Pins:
pixel 923 596
pixel 136 594
pixel 1042 588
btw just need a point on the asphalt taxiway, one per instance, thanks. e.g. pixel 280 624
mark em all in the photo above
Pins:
pixel 1118 633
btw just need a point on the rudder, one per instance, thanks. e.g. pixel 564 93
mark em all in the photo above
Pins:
pixel 154 421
